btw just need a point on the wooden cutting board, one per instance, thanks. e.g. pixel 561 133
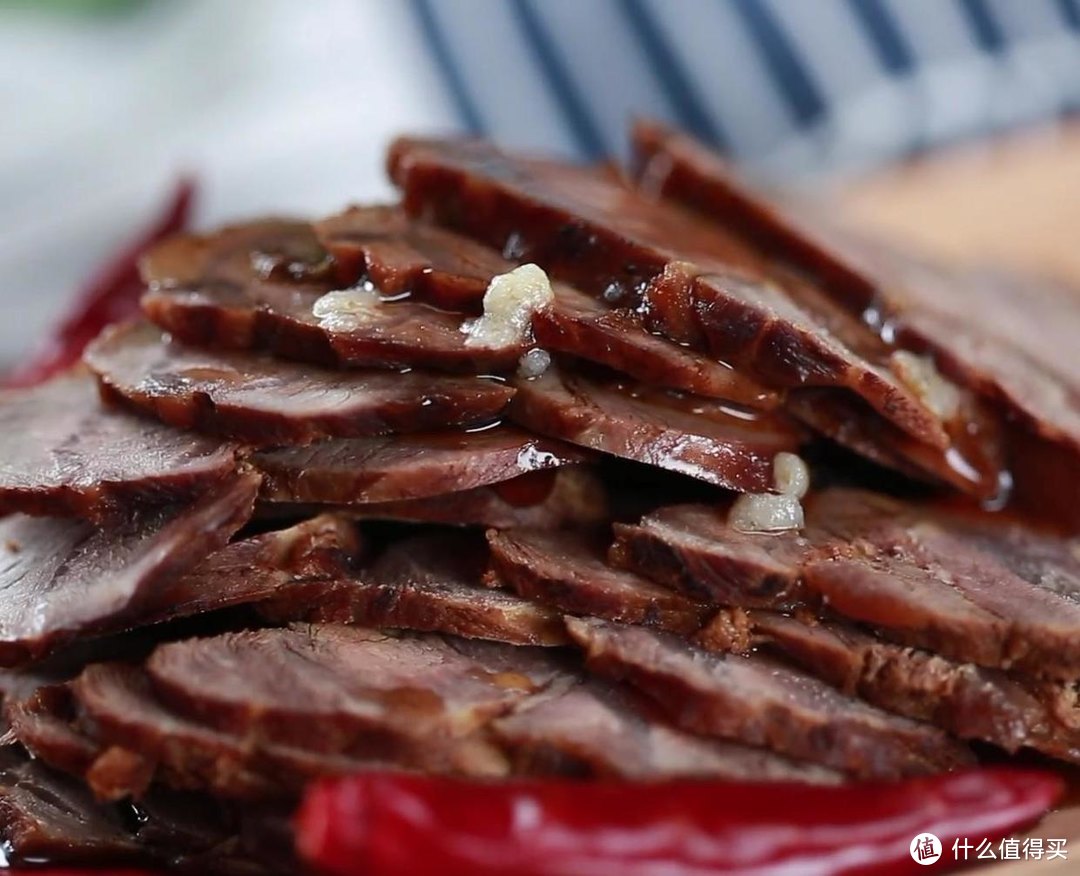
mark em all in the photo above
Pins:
pixel 1015 203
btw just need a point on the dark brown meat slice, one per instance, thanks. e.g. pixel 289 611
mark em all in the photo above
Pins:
pixel 581 325
pixel 760 702
pixel 568 570
pixel 117 701
pixel 63 453
pixel 45 816
pixel 401 257
pixel 302 560
pixel 698 437
pixel 926 588
pixel 974 463
pixel 62 579
pixel 1007 339
pixel 611 240
pixel 549 499
pixel 967 700
pixel 764 328
pixel 674 165
pixel 430 583
pixel 918 574
pixel 1046 557
pixel 577 223
pixel 1001 335
pixel 357 471
pixel 41 721
pixel 232 290
pixel 415 700
pixel 265 401
pixel 601 730
pixel 691 549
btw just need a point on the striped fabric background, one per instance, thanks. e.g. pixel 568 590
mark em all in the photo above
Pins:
pixel 785 87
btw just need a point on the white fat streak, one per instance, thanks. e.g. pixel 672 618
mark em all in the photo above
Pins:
pixel 509 303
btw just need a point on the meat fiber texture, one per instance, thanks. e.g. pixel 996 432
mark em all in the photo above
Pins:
pixel 447 485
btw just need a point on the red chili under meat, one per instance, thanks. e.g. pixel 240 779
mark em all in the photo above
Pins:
pixel 377 825
pixel 111 295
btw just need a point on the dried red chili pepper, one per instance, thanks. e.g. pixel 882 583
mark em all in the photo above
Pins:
pixel 111 295
pixel 377 825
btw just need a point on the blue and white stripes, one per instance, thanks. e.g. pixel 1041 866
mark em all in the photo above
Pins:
pixel 786 87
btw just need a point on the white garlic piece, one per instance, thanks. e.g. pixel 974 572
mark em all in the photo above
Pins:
pixel 534 363
pixel 509 303
pixel 345 309
pixel 791 475
pixel 765 512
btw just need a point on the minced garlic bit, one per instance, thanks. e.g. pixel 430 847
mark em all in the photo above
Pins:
pixel 534 363
pixel 345 309
pixel 509 303
pixel 765 512
pixel 920 375
pixel 791 475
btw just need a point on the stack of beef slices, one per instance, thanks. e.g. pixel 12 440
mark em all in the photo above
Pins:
pixel 369 493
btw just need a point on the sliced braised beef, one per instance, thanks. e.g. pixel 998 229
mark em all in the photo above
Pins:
pixel 301 560
pixel 969 701
pixel 918 581
pixel 1010 341
pixel 1008 338
pixel 419 701
pixel 430 583
pixel 61 579
pixel 708 440
pixel 41 720
pixel 966 585
pixel 693 550
pixel 117 702
pixel 758 701
pixel 672 164
pixel 47 818
pixel 583 326
pixel 265 401
pixel 577 223
pixel 615 242
pixel 975 463
pixel 390 469
pixel 243 289
pixel 401 257
pixel 568 496
pixel 597 729
pixel 568 570
pixel 65 454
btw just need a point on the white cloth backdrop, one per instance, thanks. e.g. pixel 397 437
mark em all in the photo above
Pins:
pixel 274 105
